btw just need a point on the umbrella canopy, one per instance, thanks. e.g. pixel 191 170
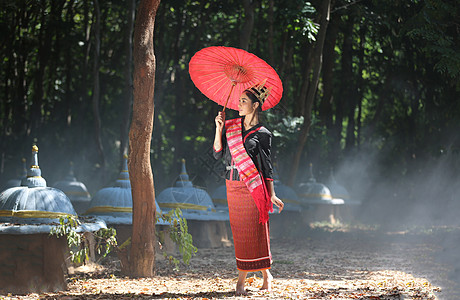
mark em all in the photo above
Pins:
pixel 223 73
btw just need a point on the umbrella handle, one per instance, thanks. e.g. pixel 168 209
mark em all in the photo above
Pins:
pixel 226 102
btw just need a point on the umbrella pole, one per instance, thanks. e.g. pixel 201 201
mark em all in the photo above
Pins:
pixel 226 102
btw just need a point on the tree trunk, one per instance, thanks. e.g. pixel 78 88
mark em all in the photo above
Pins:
pixel 326 111
pixel 285 59
pixel 348 88
pixel 128 103
pixel 281 64
pixel 360 81
pixel 312 87
pixel 96 86
pixel 325 108
pixel 248 26
pixel 19 93
pixel 271 55
pixel 44 49
pixel 69 94
pixel 142 254
pixel 306 81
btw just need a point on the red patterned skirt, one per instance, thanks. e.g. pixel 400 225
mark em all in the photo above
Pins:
pixel 250 238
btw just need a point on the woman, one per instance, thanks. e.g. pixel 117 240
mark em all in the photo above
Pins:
pixel 245 146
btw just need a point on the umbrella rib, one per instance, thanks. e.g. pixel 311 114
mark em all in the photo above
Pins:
pixel 236 58
pixel 211 58
pixel 219 87
pixel 222 77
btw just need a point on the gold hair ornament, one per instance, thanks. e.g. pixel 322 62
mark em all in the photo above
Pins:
pixel 260 91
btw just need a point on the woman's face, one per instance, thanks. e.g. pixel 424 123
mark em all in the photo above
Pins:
pixel 245 106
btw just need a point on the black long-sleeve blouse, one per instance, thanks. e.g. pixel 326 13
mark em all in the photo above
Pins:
pixel 257 142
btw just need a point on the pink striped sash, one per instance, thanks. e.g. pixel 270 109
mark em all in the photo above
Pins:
pixel 247 169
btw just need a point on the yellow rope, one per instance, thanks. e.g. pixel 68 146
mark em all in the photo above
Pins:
pixel 290 201
pixel 32 214
pixel 109 209
pixel 76 193
pixel 184 206
pixel 223 201
pixel 326 196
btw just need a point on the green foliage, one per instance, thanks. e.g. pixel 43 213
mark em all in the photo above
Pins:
pixel 298 17
pixel 178 231
pixel 285 129
pixel 105 238
pixel 436 25
pixel 105 241
pixel 78 242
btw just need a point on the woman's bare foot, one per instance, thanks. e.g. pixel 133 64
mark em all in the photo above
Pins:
pixel 267 284
pixel 240 291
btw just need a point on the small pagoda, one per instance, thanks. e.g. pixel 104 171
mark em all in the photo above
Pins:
pixel 317 202
pixel 114 205
pixel 75 190
pixel 30 259
pixel 289 221
pixel 350 207
pixel 206 224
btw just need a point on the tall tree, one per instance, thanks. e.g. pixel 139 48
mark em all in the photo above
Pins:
pixel 248 25
pixel 142 255
pixel 271 55
pixel 128 103
pixel 325 107
pixel 348 88
pixel 312 85
pixel 96 86
pixel 326 112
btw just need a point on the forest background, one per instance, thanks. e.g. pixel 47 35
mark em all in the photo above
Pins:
pixel 370 93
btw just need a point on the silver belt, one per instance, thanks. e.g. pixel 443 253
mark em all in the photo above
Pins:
pixel 230 167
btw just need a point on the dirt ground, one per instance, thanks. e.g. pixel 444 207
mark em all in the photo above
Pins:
pixel 319 264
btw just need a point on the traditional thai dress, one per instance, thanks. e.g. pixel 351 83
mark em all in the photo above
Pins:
pixel 247 195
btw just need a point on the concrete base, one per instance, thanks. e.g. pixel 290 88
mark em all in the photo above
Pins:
pixel 322 213
pixel 286 224
pixel 209 234
pixel 32 263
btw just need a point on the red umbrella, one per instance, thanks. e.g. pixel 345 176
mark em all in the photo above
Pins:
pixel 223 73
